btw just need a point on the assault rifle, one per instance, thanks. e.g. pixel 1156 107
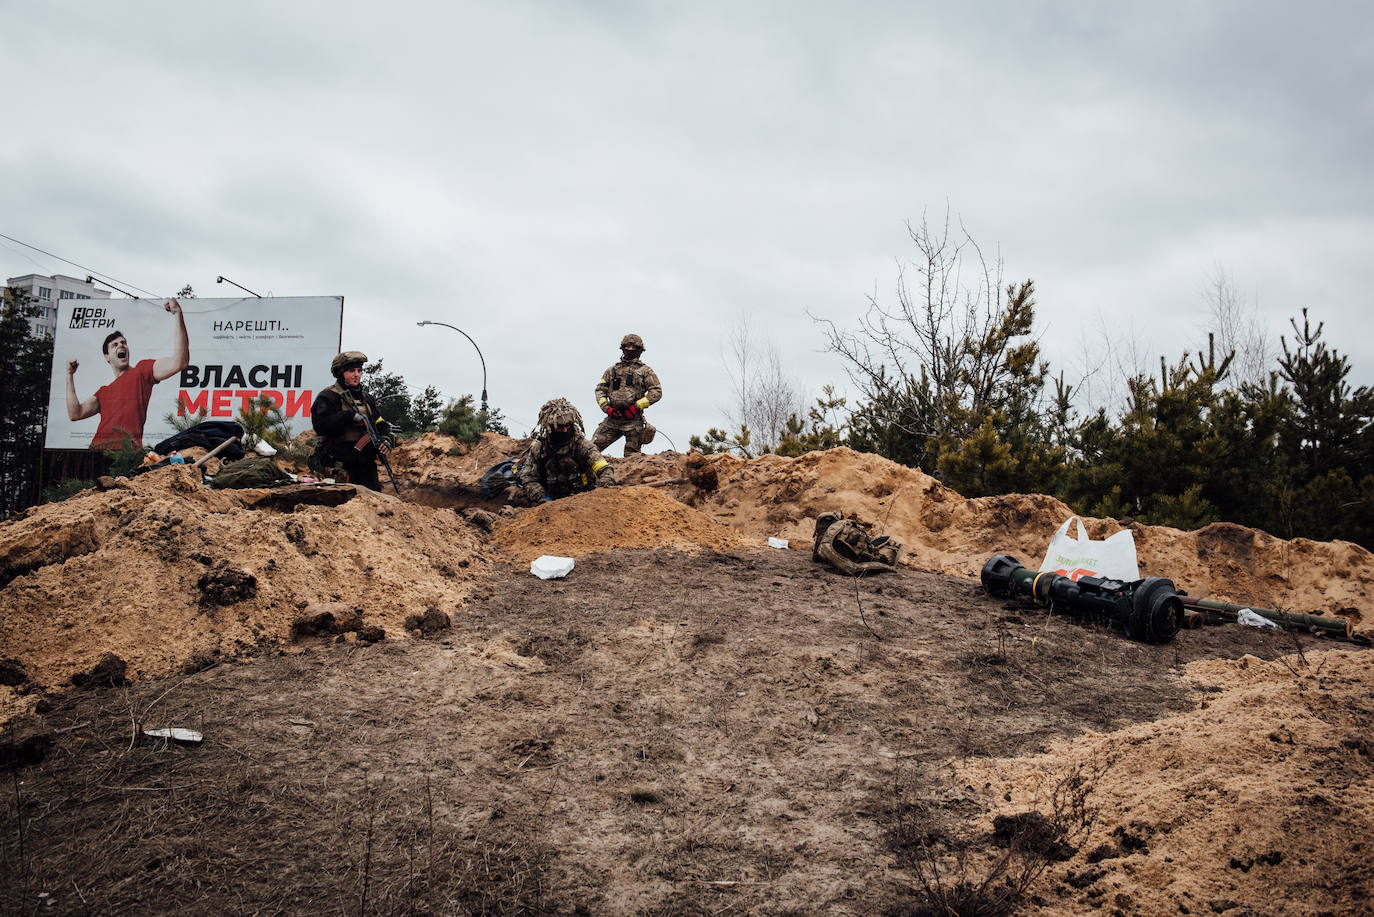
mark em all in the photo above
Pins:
pixel 371 436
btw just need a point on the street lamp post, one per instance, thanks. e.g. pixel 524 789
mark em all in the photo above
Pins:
pixel 90 279
pixel 479 356
pixel 239 285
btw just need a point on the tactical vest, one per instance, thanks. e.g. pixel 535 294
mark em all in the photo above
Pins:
pixel 358 405
pixel 847 545
pixel 561 474
pixel 627 384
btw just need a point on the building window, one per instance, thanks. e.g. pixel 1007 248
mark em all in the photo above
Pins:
pixel 65 294
pixel 45 292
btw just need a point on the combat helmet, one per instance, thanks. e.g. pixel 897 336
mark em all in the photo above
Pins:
pixel 560 410
pixel 632 342
pixel 345 360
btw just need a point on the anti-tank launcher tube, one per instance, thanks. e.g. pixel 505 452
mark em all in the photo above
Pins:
pixel 1149 609
pixel 1319 624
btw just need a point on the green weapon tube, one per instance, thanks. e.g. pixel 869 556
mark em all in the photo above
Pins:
pixel 1332 627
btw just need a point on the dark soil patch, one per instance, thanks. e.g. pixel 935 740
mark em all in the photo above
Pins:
pixel 657 733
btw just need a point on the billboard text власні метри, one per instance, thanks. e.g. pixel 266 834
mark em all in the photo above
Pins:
pixel 120 366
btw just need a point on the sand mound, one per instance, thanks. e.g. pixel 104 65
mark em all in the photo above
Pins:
pixel 1262 794
pixel 146 570
pixel 142 568
pixel 943 532
pixel 619 517
pixel 438 470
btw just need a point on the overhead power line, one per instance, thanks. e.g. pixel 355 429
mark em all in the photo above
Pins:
pixel 89 270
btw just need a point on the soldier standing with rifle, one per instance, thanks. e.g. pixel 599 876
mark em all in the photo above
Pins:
pixel 353 431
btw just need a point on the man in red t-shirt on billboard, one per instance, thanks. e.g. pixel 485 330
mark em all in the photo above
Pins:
pixel 123 403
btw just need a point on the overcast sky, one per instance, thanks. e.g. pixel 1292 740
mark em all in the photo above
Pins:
pixel 549 175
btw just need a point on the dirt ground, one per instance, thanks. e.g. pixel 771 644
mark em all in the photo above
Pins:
pixel 399 718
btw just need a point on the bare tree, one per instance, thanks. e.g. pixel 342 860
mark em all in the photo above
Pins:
pixel 739 368
pixel 765 395
pixel 1238 329
pixel 776 398
pixel 952 349
pixel 1104 359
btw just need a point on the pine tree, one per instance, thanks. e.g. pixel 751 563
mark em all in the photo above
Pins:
pixel 1329 422
pixel 26 362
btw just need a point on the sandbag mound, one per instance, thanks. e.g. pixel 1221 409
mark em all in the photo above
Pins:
pixel 167 574
pixel 1249 801
pixel 609 518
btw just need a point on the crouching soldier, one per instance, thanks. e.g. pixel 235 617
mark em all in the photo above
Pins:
pixel 561 461
pixel 846 545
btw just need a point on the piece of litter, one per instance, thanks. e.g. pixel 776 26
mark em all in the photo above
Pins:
pixel 777 542
pixel 1246 616
pixel 549 566
pixel 740 693
pixel 175 734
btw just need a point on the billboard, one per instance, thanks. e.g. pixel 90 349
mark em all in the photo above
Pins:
pixel 121 366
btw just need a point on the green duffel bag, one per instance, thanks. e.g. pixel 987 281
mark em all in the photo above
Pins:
pixel 250 471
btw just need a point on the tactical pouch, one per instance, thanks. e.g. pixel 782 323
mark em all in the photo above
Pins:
pixel 844 544
pixel 560 486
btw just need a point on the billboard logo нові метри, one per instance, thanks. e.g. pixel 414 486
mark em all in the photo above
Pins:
pixel 90 317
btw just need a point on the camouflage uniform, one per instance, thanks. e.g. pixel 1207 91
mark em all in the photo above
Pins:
pixel 555 466
pixel 332 415
pixel 627 388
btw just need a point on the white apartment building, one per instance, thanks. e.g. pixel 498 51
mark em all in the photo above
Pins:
pixel 45 292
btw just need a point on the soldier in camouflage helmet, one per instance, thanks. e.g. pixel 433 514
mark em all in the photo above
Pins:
pixel 625 390
pixel 337 416
pixel 561 461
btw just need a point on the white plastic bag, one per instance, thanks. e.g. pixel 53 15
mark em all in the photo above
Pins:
pixel 777 542
pixel 1246 616
pixel 548 566
pixel 1113 557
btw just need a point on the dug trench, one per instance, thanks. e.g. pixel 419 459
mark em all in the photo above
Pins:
pixel 665 732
